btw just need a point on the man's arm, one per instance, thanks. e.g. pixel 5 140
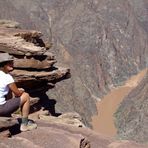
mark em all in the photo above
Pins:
pixel 17 92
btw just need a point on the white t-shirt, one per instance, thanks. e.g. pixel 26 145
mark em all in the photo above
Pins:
pixel 5 79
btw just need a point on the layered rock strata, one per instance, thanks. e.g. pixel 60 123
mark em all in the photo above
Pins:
pixel 33 63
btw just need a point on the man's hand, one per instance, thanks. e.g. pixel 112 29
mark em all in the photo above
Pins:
pixel 21 90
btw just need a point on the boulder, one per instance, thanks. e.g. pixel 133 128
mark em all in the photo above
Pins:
pixel 6 122
pixel 72 119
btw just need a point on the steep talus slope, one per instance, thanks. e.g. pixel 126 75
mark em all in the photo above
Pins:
pixel 102 42
pixel 132 115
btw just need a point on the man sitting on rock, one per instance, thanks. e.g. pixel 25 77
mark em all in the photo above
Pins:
pixel 21 99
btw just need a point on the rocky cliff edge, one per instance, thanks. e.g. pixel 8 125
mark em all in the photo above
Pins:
pixel 33 71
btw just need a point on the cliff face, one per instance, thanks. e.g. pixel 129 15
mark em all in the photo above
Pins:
pixel 103 42
pixel 131 116
pixel 140 10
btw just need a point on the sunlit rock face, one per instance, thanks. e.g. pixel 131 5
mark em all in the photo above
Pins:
pixel 103 42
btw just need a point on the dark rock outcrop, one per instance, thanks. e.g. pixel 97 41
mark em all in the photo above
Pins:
pixel 132 115
pixel 67 118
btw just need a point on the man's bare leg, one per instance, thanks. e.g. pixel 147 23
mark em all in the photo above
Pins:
pixel 25 104
pixel 25 107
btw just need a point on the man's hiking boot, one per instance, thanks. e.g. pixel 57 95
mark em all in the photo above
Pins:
pixel 30 126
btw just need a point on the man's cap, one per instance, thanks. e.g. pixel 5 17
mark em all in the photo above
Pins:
pixel 5 57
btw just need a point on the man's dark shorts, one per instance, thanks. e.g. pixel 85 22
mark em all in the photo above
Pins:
pixel 9 107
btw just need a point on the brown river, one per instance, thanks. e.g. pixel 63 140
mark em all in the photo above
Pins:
pixel 103 123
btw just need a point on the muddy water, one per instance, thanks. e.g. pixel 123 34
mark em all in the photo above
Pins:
pixel 104 121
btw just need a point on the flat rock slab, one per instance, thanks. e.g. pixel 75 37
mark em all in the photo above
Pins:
pixel 14 41
pixel 45 137
pixel 6 122
pixel 24 75
pixel 49 135
pixel 62 120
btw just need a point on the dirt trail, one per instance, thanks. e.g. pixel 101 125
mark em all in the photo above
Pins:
pixel 104 121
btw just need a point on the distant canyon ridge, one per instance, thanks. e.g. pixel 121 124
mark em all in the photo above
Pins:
pixel 103 42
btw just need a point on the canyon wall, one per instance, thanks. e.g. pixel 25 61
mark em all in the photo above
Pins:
pixel 131 116
pixel 103 42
